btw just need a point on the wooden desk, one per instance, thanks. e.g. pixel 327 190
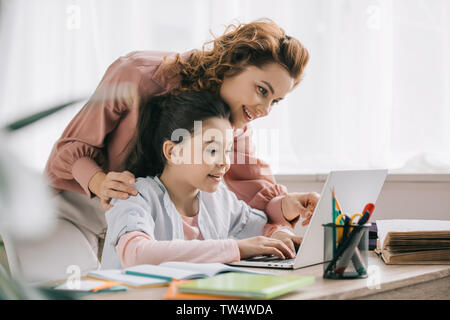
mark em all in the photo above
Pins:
pixel 384 282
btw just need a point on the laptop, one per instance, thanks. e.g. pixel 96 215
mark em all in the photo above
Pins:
pixel 354 189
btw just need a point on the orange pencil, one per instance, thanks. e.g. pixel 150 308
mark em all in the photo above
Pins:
pixel 338 206
pixel 106 285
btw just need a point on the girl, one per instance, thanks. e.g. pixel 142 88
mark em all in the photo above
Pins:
pixel 252 67
pixel 183 211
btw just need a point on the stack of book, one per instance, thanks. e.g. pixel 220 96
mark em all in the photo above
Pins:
pixel 414 241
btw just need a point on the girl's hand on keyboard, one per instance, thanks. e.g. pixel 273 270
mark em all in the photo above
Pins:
pixel 290 240
pixel 263 245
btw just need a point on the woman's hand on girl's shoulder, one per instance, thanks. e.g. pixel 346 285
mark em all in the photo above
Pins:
pixel 112 185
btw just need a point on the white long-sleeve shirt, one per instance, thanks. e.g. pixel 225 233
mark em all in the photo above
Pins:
pixel 152 216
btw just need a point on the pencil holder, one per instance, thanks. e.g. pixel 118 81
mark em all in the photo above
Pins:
pixel 345 251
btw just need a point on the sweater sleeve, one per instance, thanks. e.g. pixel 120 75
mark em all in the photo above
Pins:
pixel 252 181
pixel 80 151
pixel 136 248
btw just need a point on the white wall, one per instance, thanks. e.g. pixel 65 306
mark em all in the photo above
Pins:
pixel 402 196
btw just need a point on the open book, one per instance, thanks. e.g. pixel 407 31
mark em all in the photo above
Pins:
pixel 183 270
pixel 127 279
pixel 414 241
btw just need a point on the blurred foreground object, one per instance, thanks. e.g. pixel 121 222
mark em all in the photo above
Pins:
pixel 25 207
pixel 26 212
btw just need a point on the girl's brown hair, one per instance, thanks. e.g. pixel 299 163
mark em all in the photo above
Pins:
pixel 257 44
pixel 159 119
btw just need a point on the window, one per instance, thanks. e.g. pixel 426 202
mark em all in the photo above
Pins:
pixel 376 92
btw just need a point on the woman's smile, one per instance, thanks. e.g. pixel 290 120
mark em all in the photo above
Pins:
pixel 248 115
pixel 255 89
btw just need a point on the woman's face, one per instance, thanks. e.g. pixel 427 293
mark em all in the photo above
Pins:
pixel 252 93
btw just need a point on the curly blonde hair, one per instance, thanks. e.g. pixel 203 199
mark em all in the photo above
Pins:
pixel 257 44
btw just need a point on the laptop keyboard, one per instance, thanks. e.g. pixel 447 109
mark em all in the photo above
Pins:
pixel 272 258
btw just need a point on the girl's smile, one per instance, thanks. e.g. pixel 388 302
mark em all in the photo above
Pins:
pixel 215 178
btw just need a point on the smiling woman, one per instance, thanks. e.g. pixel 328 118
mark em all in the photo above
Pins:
pixel 250 67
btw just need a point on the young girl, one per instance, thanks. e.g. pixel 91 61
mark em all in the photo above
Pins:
pixel 183 211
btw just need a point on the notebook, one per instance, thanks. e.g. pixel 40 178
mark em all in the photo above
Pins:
pixel 183 270
pixel 246 285
pixel 405 241
pixel 127 279
pixel 173 293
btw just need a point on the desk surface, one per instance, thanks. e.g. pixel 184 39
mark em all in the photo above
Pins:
pixel 381 278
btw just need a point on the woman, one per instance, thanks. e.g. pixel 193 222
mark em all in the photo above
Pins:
pixel 251 66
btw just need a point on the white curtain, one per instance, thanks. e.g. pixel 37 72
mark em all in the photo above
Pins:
pixel 376 92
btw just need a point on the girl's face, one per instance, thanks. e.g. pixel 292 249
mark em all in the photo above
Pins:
pixel 252 93
pixel 203 158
